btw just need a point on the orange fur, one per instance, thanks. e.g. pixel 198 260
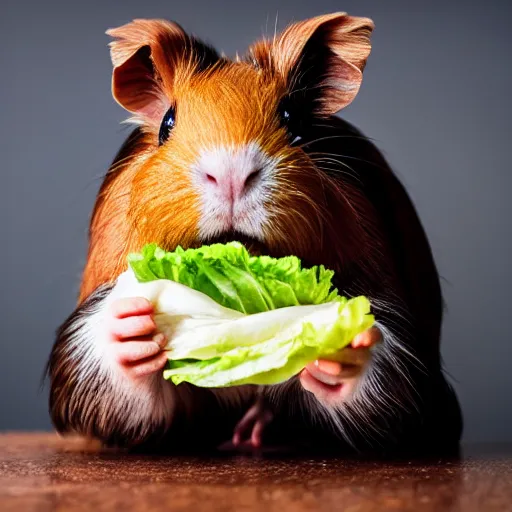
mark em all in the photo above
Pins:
pixel 347 37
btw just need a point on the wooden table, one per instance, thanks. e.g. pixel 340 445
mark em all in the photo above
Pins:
pixel 41 472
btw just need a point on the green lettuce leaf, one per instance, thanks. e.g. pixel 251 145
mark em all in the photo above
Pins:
pixel 233 318
pixel 236 280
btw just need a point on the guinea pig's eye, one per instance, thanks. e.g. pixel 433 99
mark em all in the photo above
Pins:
pixel 167 125
pixel 290 119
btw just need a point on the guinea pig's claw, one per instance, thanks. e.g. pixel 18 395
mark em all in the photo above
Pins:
pixel 249 430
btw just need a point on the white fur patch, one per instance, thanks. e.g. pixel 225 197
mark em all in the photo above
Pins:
pixel 221 211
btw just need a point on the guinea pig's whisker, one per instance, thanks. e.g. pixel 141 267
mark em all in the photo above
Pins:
pixel 349 157
pixel 328 137
pixel 331 127
pixel 320 139
pixel 332 169
pixel 335 162
pixel 337 170
pixel 329 160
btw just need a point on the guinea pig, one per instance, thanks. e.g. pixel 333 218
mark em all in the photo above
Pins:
pixel 250 149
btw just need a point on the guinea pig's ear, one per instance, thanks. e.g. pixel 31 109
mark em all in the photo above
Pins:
pixel 146 55
pixel 322 56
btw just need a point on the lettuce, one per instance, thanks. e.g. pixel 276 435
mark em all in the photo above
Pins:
pixel 233 319
pixel 236 280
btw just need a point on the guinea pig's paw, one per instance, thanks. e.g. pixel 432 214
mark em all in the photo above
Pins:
pixel 335 381
pixel 249 430
pixel 132 346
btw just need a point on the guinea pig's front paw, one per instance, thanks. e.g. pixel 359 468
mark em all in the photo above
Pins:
pixel 334 381
pixel 133 348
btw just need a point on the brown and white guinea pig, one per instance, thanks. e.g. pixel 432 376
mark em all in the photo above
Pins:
pixel 250 150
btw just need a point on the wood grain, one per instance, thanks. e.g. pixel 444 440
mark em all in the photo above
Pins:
pixel 42 472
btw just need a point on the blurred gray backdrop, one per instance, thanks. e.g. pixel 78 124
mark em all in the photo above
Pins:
pixel 435 98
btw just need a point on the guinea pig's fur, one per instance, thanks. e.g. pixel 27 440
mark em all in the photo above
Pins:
pixel 319 189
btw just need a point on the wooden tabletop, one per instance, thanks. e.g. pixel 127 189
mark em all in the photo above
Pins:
pixel 41 472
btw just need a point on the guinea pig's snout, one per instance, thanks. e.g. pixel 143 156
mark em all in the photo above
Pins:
pixel 232 183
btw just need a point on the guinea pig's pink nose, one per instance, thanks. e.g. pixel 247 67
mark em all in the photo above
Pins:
pixel 233 183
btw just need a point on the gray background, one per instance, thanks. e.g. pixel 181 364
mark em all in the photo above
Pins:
pixel 436 98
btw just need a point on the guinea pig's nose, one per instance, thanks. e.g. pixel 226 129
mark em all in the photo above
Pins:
pixel 233 183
